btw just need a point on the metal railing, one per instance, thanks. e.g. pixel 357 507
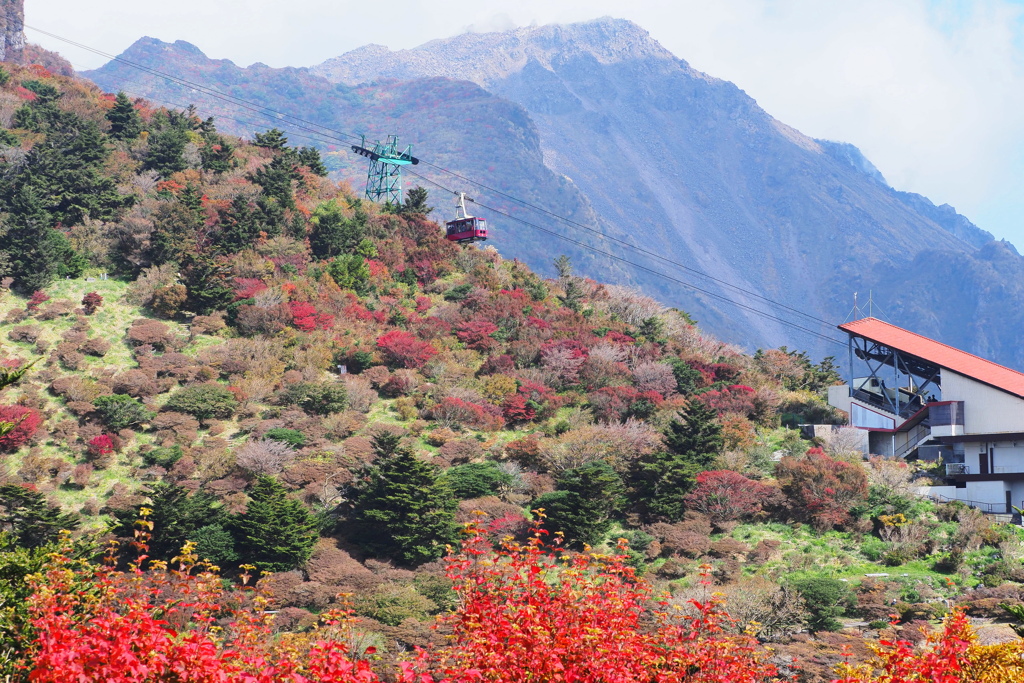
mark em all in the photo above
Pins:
pixel 953 468
pixel 915 437
pixel 987 508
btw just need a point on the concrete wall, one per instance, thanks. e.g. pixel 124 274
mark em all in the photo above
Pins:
pixel 986 410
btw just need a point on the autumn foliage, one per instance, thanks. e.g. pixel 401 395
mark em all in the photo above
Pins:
pixel 25 420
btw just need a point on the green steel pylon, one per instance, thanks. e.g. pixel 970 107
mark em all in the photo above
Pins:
pixel 384 179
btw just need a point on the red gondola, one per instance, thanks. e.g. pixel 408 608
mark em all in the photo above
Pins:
pixel 465 228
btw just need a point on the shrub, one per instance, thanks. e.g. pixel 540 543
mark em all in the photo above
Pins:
pixel 17 425
pixel 477 335
pixel 121 412
pixel 151 332
pixel 822 491
pixel 35 301
pixel 95 346
pixel 203 401
pixel 162 457
pixel 317 398
pixel 475 480
pixel 402 349
pixel 264 456
pixel 452 412
pixel 91 302
pixel 291 437
pixel 724 495
pixel 392 604
pixel 825 598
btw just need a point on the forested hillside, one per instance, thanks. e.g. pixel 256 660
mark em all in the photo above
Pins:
pixel 212 353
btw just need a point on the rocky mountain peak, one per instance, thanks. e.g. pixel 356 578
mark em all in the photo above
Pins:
pixel 486 57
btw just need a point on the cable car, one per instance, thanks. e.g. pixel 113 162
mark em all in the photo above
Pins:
pixel 465 228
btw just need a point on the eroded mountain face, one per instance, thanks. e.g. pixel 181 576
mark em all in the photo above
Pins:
pixel 598 122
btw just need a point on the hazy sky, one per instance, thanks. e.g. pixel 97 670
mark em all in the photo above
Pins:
pixel 931 91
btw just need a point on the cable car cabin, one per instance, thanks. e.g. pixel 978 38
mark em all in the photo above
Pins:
pixel 469 229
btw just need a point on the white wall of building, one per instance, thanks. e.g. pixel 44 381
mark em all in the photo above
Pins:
pixel 986 410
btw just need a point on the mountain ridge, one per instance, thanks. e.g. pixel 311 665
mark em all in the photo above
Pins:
pixel 635 143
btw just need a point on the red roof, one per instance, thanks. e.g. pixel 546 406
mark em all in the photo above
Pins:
pixel 969 365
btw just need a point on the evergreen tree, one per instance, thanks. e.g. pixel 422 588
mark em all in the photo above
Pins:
pixel 276 533
pixel 177 223
pixel 177 514
pixel 276 180
pixel 401 510
pixel 583 505
pixel 125 122
pixel 698 437
pixel 65 171
pixel 25 514
pixel 350 271
pixel 34 252
pixel 332 233
pixel 208 282
pixel 272 139
pixel 310 158
pixel 240 227
pixel 217 154
pixel 166 151
pixel 659 481
pixel 416 202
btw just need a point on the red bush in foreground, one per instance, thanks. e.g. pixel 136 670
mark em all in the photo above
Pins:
pixel 535 612
pixel 529 612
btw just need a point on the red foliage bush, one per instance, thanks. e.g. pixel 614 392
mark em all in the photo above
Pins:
pixel 248 287
pixel 25 420
pixel 724 495
pixel 476 335
pixel 456 412
pixel 100 445
pixel 821 490
pixel 402 349
pixel 90 302
pixel 732 399
pixel 36 300
pixel 515 624
pixel 306 318
pixel 516 409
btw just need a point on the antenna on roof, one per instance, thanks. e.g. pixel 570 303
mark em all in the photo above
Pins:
pixel 855 313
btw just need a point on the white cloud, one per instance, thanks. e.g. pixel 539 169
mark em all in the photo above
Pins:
pixel 930 91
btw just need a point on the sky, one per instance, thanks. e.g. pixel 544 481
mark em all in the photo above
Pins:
pixel 932 91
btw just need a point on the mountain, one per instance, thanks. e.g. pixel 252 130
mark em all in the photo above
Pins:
pixel 598 122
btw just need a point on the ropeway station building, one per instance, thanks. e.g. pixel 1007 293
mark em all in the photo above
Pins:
pixel 920 399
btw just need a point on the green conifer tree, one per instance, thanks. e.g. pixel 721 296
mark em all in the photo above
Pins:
pixel 125 122
pixel 272 139
pixel 176 515
pixel 166 151
pixel 584 504
pixel 332 233
pixel 276 180
pixel 659 481
pixel 416 202
pixel 276 533
pixel 402 510
pixel 310 158
pixel 31 520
